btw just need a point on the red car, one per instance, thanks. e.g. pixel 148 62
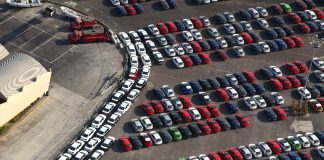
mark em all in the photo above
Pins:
pixel 171 26
pixel 290 42
pixel 186 102
pixel 301 66
pixel 196 22
pixel 277 9
pixel 213 156
pixel 298 40
pixel 319 13
pixel 301 5
pixel 293 69
pixel 146 140
pixel 280 113
pixel 185 115
pixel 321 100
pixel 285 82
pixel 222 55
pixel 214 126
pixel 305 155
pixel 186 60
pixel 162 28
pixel 157 106
pixel 126 144
pixel 235 153
pixel 244 121
pixel 224 155
pixel 294 17
pixel 274 146
pixel 246 37
pixel 195 46
pixel 221 92
pixel 249 76
pixel 214 111
pixel 130 9
pixel 147 108
pixel 294 81
pixel 276 84
pixel 133 73
pixel 204 57
pixel 304 27
pixel 204 112
pixel 204 127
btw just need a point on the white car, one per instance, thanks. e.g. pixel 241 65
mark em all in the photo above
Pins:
pixel 103 130
pixel 146 122
pixel 229 16
pixel 92 144
pixel 114 118
pixel 212 31
pixel 141 83
pixel 303 140
pixel 187 36
pixel 177 61
pixel 272 158
pixel 108 107
pixel 193 158
pixel 250 103
pixel 133 94
pixel 146 60
pixel 294 141
pixel 176 103
pixel 188 24
pixel 231 79
pixel 167 104
pixel 229 28
pixel 254 13
pixel 194 113
pixel 168 91
pixel 134 36
pixel 150 45
pixel 238 51
pixel 196 34
pixel 96 155
pixel 311 14
pixel 263 12
pixel 124 1
pixel 277 97
pixel 284 144
pixel 204 20
pixel 203 157
pixel 245 152
pixel 133 60
pixel 238 39
pixel 65 156
pixel 156 138
pixel 232 92
pixel 187 47
pixel 115 2
pixel 124 38
pixel 137 125
pixel 153 29
pixel 320 24
pixel 222 42
pixel 158 57
pixel 265 47
pixel 81 155
pixel 143 34
pixel 264 147
pixel 140 48
pixel 127 85
pixel 178 49
pixel 247 26
pixel 123 107
pixel 131 49
pixel 320 151
pixel 313 139
pixel 75 147
pixel 259 101
pixel 255 150
pixel 262 23
pixel 87 134
pixel 107 143
pixel 169 50
pixel 275 71
pixel 318 63
pixel 117 96
pixel 146 72
pixel 206 1
pixel 319 75
pixel 98 121
pixel 161 40
pixel 304 93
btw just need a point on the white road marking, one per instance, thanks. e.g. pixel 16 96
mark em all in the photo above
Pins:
pixel 303 126
pixel 42 44
pixel 6 20
pixel 63 54
pixel 23 32
pixel 31 38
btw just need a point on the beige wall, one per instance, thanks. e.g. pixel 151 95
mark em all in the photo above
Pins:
pixel 18 102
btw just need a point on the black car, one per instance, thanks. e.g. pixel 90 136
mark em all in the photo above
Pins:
pixel 320 136
pixel 289 31
pixel 220 19
pixel 138 7
pixel 164 4
pixel 245 14
pixel 249 89
pixel 170 38
pixel 185 132
pixel 195 86
pixel 255 36
pixel 271 33
pixel 310 4
pixel 238 27
pixel 268 99
pixel 255 48
pixel 198 2
pixel 281 44
pixel 230 40
pixel 195 58
pixel 258 87
pixel 223 82
pixel 240 91
pixel 156 121
pixel 159 93
pixel 121 10
pixel 283 157
pixel 233 122
pixel 204 98
pixel 278 20
pixel 205 85
pixel 240 78
pixel 136 142
pixel 223 123
pixel 270 114
pixel 165 135
pixel 303 79
pixel 266 72
pixel 213 83
pixel 180 25
pixel 320 88
pixel 303 16
pixel 195 130
pixel 273 45
pixel 176 118
pixel 172 3
pixel 281 33
pixel 233 108
pixel 313 26
pixel 213 44
pixel 204 45
pixel 314 91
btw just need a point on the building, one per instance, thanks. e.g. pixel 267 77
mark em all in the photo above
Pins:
pixel 22 81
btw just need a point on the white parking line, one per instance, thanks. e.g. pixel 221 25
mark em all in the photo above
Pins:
pixel 63 54
pixel 6 20
pixel 299 54
pixel 23 32
pixel 42 44
pixel 31 38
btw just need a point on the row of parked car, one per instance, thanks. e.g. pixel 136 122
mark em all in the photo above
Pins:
pixel 130 9
pixel 281 148
pixel 209 126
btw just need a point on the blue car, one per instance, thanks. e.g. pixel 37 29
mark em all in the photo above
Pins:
pixel 313 26
pixel 172 4
pixel 320 88
pixel 138 7
pixel 233 122
pixel 258 87
pixel 240 78
pixel 195 86
pixel 240 91
pixel 320 136
pixel 270 114
pixel 271 33
pixel 273 45
pixel 180 25
pixel 281 33
pixel 186 88
pixel 255 48
pixel 213 44
pixel 223 82
pixel 121 10
pixel 195 58
pixel 245 14
pixel 159 93
pixel 278 21
pixel 249 89
pixel 266 72
pixel 283 157
pixel 303 16
pixel 281 44
pixel 289 31
pixel 231 107
pixel 255 36
pixel 213 83
pixel 294 156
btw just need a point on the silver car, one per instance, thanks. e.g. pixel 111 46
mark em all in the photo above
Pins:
pixel 176 103
pixel 165 118
pixel 137 125
pixel 167 104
